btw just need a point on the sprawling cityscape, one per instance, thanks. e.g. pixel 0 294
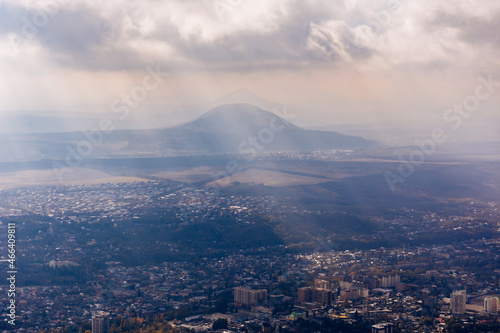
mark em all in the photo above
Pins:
pixel 70 268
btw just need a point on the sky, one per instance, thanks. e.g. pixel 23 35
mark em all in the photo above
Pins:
pixel 341 61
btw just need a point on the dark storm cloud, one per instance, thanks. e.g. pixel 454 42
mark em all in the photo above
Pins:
pixel 285 47
pixel 80 36
pixel 87 37
pixel 471 29
pixel 76 36
pixel 77 31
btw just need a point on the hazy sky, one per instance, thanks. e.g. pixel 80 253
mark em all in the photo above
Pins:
pixel 340 60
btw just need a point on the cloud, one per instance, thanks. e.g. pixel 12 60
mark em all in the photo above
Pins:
pixel 10 15
pixel 242 34
pixel 305 49
pixel 335 41
pixel 475 30
pixel 75 34
pixel 233 33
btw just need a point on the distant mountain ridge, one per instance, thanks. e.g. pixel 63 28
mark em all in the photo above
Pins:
pixel 229 128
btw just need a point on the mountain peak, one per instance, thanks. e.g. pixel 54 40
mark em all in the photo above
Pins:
pixel 241 117
pixel 241 126
pixel 244 96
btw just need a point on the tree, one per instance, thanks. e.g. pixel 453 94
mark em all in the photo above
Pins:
pixel 219 324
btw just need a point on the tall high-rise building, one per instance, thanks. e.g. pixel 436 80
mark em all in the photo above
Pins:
pixel 100 322
pixel 353 294
pixel 322 296
pixel 305 294
pixel 457 302
pixel 390 281
pixel 321 284
pixel 318 295
pixel 246 296
pixel 491 304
